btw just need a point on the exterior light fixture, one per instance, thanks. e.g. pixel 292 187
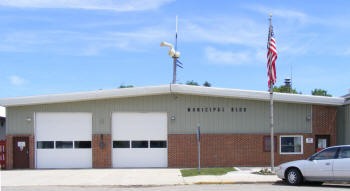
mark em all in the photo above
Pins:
pixel 102 144
pixel 28 119
pixel 308 117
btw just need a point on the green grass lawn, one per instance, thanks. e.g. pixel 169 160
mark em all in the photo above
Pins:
pixel 205 171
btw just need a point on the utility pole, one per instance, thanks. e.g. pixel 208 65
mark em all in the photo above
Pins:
pixel 174 69
pixel 175 57
pixel 174 54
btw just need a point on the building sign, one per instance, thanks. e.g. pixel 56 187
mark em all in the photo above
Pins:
pixel 21 145
pixel 216 109
pixel 309 140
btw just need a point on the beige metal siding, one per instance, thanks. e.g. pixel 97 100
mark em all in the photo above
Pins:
pixel 341 125
pixel 347 125
pixel 289 118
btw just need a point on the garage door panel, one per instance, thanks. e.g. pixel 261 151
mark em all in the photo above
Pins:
pixel 63 140
pixel 64 158
pixel 140 127
pixel 145 157
pixel 63 126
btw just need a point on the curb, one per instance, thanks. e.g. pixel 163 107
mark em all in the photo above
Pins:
pixel 238 182
pixel 95 185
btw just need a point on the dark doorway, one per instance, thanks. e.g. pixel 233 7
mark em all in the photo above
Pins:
pixel 322 141
pixel 20 152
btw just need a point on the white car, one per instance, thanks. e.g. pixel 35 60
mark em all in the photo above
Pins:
pixel 330 164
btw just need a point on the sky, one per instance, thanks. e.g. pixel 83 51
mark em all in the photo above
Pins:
pixel 62 46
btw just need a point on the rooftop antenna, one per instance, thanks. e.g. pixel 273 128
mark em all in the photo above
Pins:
pixel 291 76
pixel 174 54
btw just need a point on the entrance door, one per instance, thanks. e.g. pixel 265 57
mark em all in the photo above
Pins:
pixel 20 152
pixel 322 142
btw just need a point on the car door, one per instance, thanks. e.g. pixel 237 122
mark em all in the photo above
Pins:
pixel 341 167
pixel 320 166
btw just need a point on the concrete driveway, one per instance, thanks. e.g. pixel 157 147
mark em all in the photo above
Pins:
pixel 91 177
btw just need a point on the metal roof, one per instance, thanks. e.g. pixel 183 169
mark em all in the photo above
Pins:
pixel 169 89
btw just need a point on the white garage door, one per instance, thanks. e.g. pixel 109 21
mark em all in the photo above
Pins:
pixel 139 140
pixel 63 140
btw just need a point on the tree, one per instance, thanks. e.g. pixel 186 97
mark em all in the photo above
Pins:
pixel 207 84
pixel 126 86
pixel 192 83
pixel 320 92
pixel 285 89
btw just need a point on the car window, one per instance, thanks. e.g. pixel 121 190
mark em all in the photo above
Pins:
pixel 344 152
pixel 326 154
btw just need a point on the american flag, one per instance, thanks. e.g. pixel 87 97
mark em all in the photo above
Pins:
pixel 271 57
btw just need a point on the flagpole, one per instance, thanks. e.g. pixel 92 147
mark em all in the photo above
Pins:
pixel 174 57
pixel 271 111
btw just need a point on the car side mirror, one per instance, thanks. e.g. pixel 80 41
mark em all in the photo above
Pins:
pixel 310 158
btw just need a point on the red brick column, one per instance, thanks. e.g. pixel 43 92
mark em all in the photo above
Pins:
pixel 182 150
pixel 324 121
pixel 9 150
pixel 101 157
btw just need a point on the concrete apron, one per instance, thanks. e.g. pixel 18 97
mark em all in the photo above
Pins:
pixel 236 177
pixel 91 177
pixel 126 177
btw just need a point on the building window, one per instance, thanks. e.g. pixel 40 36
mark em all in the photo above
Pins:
pixel 82 144
pixel 45 145
pixel 267 143
pixel 64 144
pixel 158 144
pixel 291 144
pixel 139 144
pixel 121 144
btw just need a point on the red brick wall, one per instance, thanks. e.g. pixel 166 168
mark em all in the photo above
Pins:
pixel 324 120
pixel 101 157
pixel 9 150
pixel 245 149
pixel 219 150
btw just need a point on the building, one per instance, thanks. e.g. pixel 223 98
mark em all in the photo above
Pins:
pixel 156 127
pixel 2 123
pixel 343 121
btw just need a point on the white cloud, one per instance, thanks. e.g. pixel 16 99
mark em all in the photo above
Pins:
pixel 82 43
pixel 239 31
pixel 226 57
pixel 282 13
pixel 16 80
pixel 113 5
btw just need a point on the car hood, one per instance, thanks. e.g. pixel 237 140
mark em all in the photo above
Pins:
pixel 293 163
